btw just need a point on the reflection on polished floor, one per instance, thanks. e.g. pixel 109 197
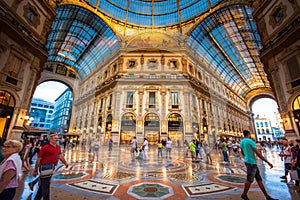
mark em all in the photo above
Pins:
pixel 115 176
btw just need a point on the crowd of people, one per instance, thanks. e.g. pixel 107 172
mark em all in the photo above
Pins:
pixel 15 155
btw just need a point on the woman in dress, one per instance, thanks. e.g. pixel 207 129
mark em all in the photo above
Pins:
pixel 10 168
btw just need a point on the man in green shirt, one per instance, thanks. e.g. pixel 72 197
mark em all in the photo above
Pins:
pixel 193 149
pixel 249 150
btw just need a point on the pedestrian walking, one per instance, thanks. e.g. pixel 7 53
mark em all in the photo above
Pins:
pixel 145 149
pixel 248 149
pixel 133 148
pixel 10 169
pixel 206 149
pixel 159 148
pixel 48 158
pixel 110 144
pixel 168 148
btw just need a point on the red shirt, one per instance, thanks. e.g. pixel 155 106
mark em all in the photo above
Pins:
pixel 50 154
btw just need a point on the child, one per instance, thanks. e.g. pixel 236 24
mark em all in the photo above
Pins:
pixel 159 148
pixel 141 155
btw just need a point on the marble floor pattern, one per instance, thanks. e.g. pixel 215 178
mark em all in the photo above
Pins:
pixel 114 175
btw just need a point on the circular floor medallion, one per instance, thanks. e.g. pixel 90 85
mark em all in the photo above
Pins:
pixel 150 191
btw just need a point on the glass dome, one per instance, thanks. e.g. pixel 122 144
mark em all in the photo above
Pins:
pixel 151 13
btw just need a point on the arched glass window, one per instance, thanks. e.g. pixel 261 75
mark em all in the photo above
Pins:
pixel 296 103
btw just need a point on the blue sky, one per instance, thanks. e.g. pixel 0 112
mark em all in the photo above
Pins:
pixel 265 106
pixel 49 90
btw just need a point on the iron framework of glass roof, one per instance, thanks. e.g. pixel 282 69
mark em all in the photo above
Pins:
pixel 80 39
pixel 227 39
pixel 153 13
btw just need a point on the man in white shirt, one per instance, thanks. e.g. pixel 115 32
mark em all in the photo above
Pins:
pixel 133 148
pixel 145 148
pixel 168 148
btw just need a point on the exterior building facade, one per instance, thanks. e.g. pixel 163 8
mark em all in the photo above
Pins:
pixel 167 73
pixel 264 130
pixel 42 113
pixel 62 112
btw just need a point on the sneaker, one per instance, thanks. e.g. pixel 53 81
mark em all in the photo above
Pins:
pixel 270 198
pixel 30 186
pixel 283 177
pixel 244 197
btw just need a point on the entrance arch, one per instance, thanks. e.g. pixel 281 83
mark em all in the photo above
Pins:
pixel 175 128
pixel 296 111
pixel 128 128
pixel 152 128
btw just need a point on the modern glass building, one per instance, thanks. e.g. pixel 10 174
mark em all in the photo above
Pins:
pixel 62 112
pixel 42 113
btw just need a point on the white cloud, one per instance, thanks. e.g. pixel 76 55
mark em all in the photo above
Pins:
pixel 49 90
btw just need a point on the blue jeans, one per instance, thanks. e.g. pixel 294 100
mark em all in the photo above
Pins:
pixel 225 156
pixel 44 189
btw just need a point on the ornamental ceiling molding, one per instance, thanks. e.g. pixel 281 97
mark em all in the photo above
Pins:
pixel 274 13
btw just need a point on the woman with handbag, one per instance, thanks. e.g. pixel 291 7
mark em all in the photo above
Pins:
pixel 10 168
pixel 48 158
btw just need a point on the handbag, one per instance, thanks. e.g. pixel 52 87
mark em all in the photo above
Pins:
pixel 46 170
pixel 294 175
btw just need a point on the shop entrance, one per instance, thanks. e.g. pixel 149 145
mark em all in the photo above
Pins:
pixel 128 128
pixel 152 128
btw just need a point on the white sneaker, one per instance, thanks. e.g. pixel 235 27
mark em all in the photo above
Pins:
pixel 291 182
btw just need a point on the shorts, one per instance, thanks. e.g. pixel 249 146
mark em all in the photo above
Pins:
pixel 252 172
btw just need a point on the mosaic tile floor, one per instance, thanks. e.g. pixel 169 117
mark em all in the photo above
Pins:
pixel 115 176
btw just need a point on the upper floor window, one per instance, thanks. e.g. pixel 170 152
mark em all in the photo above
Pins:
pixel 152 64
pixel 261 124
pixel 15 67
pixel 31 15
pixel 110 101
pixel 174 99
pixel 266 124
pixel 115 68
pixel 151 99
pixel 203 105
pixel 129 101
pixel 173 63
pixel 194 102
pixel 278 15
pixel 131 64
pixel 101 105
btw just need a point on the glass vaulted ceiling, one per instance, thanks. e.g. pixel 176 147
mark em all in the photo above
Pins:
pixel 80 39
pixel 153 12
pixel 228 41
